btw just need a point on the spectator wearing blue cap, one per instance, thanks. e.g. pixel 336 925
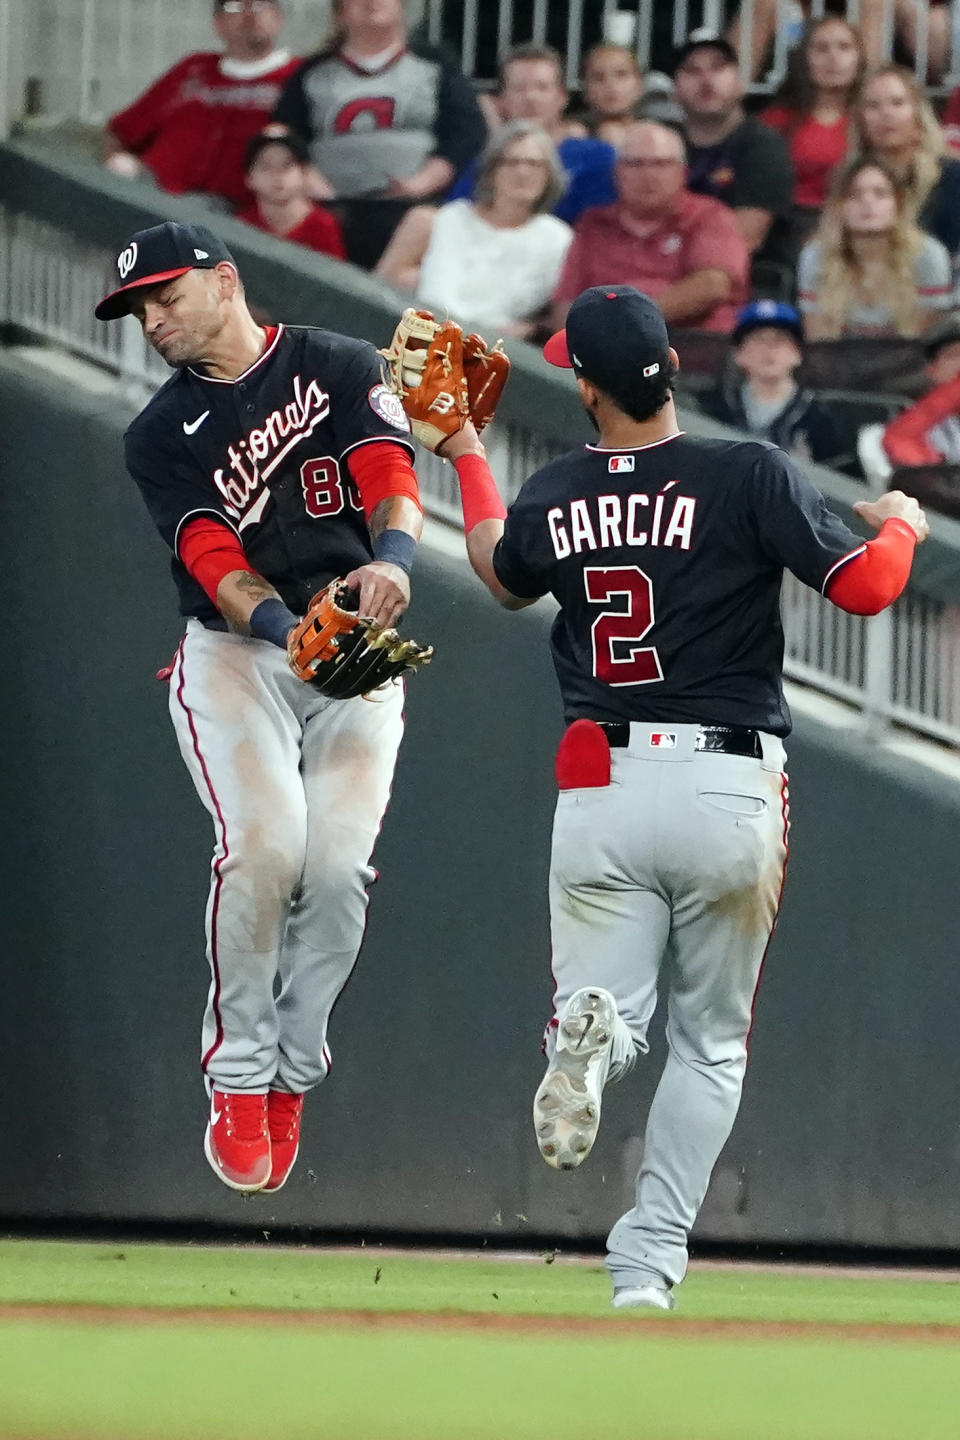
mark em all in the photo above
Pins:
pixel 761 395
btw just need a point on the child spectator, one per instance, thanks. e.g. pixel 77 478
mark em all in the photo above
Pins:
pixel 928 433
pixel 613 91
pixel 494 260
pixel 190 130
pixel 893 121
pixel 278 174
pixel 764 398
pixel 812 110
pixel 868 269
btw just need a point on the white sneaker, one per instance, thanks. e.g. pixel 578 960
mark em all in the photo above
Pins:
pixel 649 1297
pixel 566 1107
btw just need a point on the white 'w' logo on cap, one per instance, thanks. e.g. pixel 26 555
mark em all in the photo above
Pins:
pixel 126 260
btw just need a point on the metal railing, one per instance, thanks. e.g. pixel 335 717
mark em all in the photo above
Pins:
pixel 902 666
pixel 84 59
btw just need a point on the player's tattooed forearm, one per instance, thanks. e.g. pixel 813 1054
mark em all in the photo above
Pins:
pixel 380 518
pixel 254 584
pixel 248 587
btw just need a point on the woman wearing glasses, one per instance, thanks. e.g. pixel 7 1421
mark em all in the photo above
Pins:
pixel 493 260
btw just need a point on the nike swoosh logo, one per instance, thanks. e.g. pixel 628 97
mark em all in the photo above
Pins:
pixel 588 1020
pixel 215 1116
pixel 189 429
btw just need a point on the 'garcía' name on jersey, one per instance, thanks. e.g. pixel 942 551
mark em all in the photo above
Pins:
pixel 610 522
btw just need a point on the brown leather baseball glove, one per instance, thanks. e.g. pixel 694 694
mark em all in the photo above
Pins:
pixel 442 378
pixel 344 654
pixel 486 372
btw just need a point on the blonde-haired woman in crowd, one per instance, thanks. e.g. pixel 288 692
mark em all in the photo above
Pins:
pixel 493 260
pixel 869 270
pixel 893 121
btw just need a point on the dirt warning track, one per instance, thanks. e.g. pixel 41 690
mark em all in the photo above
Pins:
pixel 614 1327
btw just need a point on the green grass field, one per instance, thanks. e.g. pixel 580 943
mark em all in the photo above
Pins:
pixel 745 1357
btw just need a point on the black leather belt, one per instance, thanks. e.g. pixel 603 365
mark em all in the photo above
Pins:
pixel 713 739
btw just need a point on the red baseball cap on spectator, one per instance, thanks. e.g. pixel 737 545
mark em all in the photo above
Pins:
pixel 161 253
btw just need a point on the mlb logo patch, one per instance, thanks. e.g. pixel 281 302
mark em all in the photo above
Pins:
pixel 617 464
pixel 663 740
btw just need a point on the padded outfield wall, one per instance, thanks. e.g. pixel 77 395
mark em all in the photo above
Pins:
pixel 850 1127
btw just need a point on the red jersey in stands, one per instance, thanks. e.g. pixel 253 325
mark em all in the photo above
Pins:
pixel 815 149
pixel 318 231
pixel 928 433
pixel 192 127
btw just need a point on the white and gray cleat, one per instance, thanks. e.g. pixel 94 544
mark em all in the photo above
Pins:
pixel 643 1297
pixel 566 1107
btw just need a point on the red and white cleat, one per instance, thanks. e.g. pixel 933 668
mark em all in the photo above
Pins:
pixel 237 1140
pixel 283 1118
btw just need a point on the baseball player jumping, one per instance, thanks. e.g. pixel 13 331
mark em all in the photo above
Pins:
pixel 274 461
pixel 666 555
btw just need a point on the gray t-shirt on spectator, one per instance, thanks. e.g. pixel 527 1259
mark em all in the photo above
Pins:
pixel 761 413
pixel 931 272
pixel 368 127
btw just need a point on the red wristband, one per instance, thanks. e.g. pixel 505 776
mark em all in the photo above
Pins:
pixel 479 495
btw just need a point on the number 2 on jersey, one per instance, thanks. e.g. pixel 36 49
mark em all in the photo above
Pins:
pixel 619 658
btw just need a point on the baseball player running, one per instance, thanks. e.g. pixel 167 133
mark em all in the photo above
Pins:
pixel 666 555
pixel 273 461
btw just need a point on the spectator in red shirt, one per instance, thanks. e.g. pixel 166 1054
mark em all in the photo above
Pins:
pixel 684 250
pixel 812 110
pixel 928 433
pixel 191 129
pixel 278 174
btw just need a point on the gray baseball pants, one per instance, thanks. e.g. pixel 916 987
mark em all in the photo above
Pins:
pixel 296 785
pixel 671 876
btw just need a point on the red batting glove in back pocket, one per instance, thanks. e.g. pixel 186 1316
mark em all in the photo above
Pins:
pixel 583 757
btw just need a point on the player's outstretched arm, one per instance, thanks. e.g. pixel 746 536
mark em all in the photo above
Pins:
pixel 873 579
pixel 483 511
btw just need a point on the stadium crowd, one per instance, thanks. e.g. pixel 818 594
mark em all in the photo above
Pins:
pixel 811 245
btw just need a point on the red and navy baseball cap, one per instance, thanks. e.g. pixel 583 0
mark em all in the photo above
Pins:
pixel 614 334
pixel 161 253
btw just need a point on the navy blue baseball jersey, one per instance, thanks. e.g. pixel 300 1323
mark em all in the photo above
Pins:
pixel 667 562
pixel 267 456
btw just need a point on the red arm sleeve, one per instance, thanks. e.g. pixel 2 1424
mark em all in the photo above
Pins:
pixel 382 469
pixel 209 551
pixel 479 496
pixel 876 575
pixel 905 438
